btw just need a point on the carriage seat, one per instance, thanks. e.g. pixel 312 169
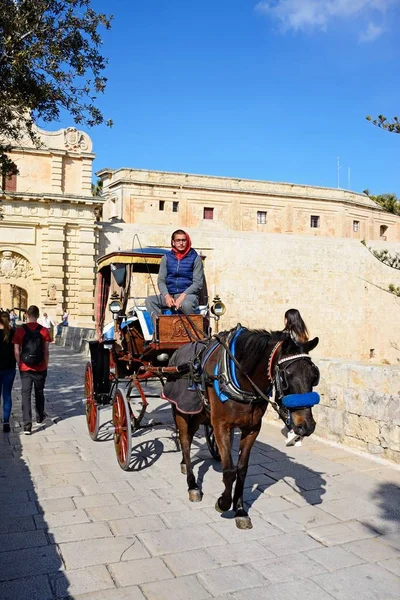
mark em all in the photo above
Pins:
pixel 146 322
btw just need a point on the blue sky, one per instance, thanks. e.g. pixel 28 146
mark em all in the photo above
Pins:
pixel 272 90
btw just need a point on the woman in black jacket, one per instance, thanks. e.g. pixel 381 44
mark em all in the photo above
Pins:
pixel 7 367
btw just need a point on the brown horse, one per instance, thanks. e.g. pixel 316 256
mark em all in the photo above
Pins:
pixel 237 382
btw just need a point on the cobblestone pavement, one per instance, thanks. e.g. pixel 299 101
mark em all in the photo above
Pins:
pixel 326 521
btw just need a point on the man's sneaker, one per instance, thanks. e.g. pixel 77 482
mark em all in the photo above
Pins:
pixel 27 429
pixel 6 427
pixel 41 418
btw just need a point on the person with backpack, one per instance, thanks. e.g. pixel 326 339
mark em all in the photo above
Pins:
pixel 31 347
pixel 7 367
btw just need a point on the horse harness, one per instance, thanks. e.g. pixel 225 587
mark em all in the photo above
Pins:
pixel 224 379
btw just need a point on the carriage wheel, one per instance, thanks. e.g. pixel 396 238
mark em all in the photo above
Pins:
pixel 211 443
pixel 123 429
pixel 91 408
pixel 137 409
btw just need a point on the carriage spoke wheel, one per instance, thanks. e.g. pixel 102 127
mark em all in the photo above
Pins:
pixel 91 408
pixel 123 429
pixel 139 406
pixel 211 443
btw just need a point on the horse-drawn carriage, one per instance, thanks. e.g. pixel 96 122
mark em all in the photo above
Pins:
pixel 131 349
pixel 234 374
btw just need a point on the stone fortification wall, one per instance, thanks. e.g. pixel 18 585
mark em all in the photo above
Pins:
pixel 338 286
pixel 360 407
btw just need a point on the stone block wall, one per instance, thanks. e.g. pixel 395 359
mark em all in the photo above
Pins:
pixel 360 407
pixel 339 287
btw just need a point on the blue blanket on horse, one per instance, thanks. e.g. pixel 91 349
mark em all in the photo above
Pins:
pixel 180 389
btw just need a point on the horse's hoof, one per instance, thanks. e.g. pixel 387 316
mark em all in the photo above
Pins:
pixel 183 469
pixel 195 495
pixel 217 508
pixel 243 523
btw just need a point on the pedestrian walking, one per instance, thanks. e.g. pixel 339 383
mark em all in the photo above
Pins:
pixel 7 367
pixel 47 322
pixel 31 344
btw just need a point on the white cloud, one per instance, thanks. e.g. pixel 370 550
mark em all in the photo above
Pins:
pixel 304 15
pixel 371 33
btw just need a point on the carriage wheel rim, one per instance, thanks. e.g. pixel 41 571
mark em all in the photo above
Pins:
pixel 91 406
pixel 122 429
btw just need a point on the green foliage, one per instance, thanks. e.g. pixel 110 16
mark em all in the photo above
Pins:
pixel 389 202
pixel 49 61
pixel 97 188
pixel 384 123
pixel 394 290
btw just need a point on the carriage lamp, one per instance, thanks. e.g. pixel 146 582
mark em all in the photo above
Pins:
pixel 218 308
pixel 115 305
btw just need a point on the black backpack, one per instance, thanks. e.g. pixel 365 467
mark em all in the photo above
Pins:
pixel 32 346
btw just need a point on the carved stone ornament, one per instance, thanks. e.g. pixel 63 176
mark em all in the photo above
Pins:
pixel 52 292
pixel 74 139
pixel 14 266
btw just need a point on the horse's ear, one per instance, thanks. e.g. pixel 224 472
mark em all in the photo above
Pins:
pixel 308 346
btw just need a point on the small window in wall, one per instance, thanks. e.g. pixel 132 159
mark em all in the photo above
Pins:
pixel 314 221
pixel 161 205
pixel 356 225
pixel 175 206
pixel 208 213
pixel 9 183
pixel 382 232
pixel 261 217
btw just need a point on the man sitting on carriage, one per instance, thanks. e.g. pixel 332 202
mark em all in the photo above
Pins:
pixel 180 278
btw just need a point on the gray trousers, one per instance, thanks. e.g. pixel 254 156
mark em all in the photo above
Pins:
pixel 37 380
pixel 155 304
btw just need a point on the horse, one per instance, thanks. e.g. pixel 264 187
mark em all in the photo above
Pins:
pixel 238 374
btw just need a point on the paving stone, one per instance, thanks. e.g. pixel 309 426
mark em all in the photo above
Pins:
pixel 284 568
pixel 101 551
pixel 15 497
pixel 75 533
pixel 155 506
pixel 107 487
pixel 126 593
pixel 290 543
pixel 187 563
pixel 28 562
pixel 32 588
pixel 139 571
pixel 369 582
pixel 16 524
pixel 287 590
pixel 230 579
pixel 76 466
pixel 393 565
pixel 267 505
pixel 393 539
pixel 134 525
pixel 185 517
pixel 24 509
pixel 341 533
pixel 52 493
pixel 109 513
pixel 60 519
pixel 334 557
pixel 19 540
pixel 183 588
pixel 372 550
pixel 56 505
pixel 241 553
pixel 81 581
pixel 97 500
pixel 347 508
pixel 184 539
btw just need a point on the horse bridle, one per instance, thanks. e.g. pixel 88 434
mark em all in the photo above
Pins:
pixel 281 383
